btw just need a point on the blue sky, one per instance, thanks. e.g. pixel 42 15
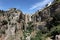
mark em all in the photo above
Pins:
pixel 26 6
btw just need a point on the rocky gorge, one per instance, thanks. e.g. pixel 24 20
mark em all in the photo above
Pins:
pixel 15 25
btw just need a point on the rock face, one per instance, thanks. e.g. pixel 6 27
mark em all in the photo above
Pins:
pixel 57 37
pixel 48 14
pixel 10 23
pixel 13 22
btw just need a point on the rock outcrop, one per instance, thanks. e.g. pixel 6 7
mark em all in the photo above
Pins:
pixel 10 23
pixel 48 14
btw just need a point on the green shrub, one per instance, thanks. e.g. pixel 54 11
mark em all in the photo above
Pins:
pixel 38 36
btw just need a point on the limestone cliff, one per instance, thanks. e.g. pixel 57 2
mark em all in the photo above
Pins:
pixel 13 23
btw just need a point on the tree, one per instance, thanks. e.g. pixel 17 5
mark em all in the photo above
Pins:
pixel 4 22
pixel 54 31
pixel 38 36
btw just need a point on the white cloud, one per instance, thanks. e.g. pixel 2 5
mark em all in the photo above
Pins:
pixel 40 4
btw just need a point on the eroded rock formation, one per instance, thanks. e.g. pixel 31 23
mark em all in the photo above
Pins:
pixel 13 22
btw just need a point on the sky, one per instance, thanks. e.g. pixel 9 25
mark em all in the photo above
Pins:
pixel 26 6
